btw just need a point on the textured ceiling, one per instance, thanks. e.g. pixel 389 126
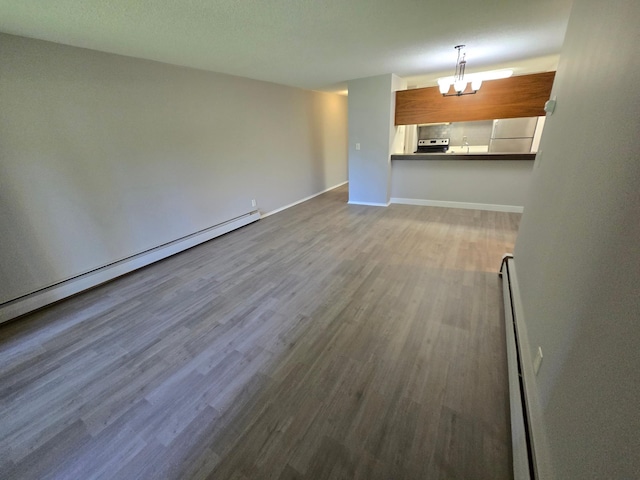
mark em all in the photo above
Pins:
pixel 313 44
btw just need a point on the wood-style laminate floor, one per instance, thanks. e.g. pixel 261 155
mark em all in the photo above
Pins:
pixel 328 341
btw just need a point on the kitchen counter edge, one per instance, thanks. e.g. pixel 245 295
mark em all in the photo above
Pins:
pixel 463 156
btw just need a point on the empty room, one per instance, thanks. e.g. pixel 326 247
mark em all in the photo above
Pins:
pixel 319 240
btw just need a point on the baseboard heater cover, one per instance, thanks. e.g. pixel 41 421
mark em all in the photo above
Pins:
pixel 40 298
pixel 524 459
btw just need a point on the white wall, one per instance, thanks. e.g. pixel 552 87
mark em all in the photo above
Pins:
pixel 477 182
pixel 371 125
pixel 104 156
pixel 577 253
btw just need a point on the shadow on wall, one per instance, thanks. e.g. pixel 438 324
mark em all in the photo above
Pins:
pixel 21 242
pixel 316 129
pixel 327 122
pixel 36 223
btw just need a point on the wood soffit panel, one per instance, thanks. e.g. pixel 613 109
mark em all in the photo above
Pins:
pixel 522 96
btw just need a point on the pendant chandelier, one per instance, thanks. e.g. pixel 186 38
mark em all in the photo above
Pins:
pixel 459 82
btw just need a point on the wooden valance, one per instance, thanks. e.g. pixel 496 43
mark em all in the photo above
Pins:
pixel 522 96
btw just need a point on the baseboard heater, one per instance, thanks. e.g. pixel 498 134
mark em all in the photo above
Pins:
pixel 524 459
pixel 53 293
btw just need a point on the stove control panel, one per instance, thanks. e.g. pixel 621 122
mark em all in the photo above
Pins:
pixel 434 142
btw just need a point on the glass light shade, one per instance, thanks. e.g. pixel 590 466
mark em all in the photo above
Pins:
pixel 444 87
pixel 459 86
pixel 476 84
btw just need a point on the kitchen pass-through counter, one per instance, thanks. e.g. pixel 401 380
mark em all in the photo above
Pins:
pixel 483 181
pixel 464 156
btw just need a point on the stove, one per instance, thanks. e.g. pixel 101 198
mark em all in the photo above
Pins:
pixel 433 145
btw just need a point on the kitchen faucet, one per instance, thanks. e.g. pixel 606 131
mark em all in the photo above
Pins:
pixel 465 143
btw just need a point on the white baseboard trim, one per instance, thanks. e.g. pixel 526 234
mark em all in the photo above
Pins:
pixel 469 206
pixel 370 204
pixel 33 301
pixel 303 200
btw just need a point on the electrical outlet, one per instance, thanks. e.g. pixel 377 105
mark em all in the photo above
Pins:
pixel 357 146
pixel 253 203
pixel 537 361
